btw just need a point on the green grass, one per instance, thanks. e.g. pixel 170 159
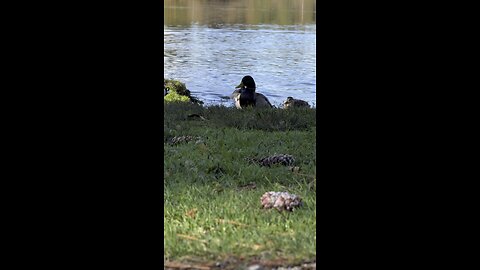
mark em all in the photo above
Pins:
pixel 208 214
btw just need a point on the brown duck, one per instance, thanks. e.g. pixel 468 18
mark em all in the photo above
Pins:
pixel 291 102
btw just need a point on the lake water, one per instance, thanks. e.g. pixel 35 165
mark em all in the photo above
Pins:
pixel 211 45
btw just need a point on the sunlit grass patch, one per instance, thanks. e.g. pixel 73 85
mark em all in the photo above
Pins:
pixel 203 222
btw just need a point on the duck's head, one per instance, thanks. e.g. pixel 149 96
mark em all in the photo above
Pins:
pixel 247 82
pixel 288 101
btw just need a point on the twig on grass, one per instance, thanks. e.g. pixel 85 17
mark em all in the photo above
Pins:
pixel 188 237
pixel 177 265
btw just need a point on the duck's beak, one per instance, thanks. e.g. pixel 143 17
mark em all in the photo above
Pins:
pixel 240 85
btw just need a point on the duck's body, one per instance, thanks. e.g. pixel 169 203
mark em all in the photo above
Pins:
pixel 259 100
pixel 245 95
pixel 291 102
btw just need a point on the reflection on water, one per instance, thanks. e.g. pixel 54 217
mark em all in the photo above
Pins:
pixel 211 45
pixel 246 12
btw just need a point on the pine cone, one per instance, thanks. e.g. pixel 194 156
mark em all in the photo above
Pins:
pixel 286 160
pixel 280 201
pixel 183 139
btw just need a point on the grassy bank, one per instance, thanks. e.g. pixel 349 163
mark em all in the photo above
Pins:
pixel 212 212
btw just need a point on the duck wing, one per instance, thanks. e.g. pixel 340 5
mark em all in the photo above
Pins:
pixel 235 94
pixel 236 98
pixel 300 103
pixel 261 101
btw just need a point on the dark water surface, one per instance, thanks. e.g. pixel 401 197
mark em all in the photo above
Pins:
pixel 211 45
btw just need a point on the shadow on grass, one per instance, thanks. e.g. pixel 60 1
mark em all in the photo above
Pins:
pixel 257 119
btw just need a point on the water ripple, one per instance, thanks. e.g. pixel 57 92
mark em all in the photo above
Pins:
pixel 212 61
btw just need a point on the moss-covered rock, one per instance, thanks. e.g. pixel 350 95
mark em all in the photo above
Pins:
pixel 177 91
pixel 175 97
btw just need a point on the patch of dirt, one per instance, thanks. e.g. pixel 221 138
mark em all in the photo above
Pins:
pixel 240 263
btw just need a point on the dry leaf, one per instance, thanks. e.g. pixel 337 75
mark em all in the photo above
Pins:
pixel 257 247
pixel 192 213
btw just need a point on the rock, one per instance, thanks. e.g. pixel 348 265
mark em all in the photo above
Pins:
pixel 255 267
pixel 179 88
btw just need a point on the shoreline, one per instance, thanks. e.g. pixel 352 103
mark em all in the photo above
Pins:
pixel 177 87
